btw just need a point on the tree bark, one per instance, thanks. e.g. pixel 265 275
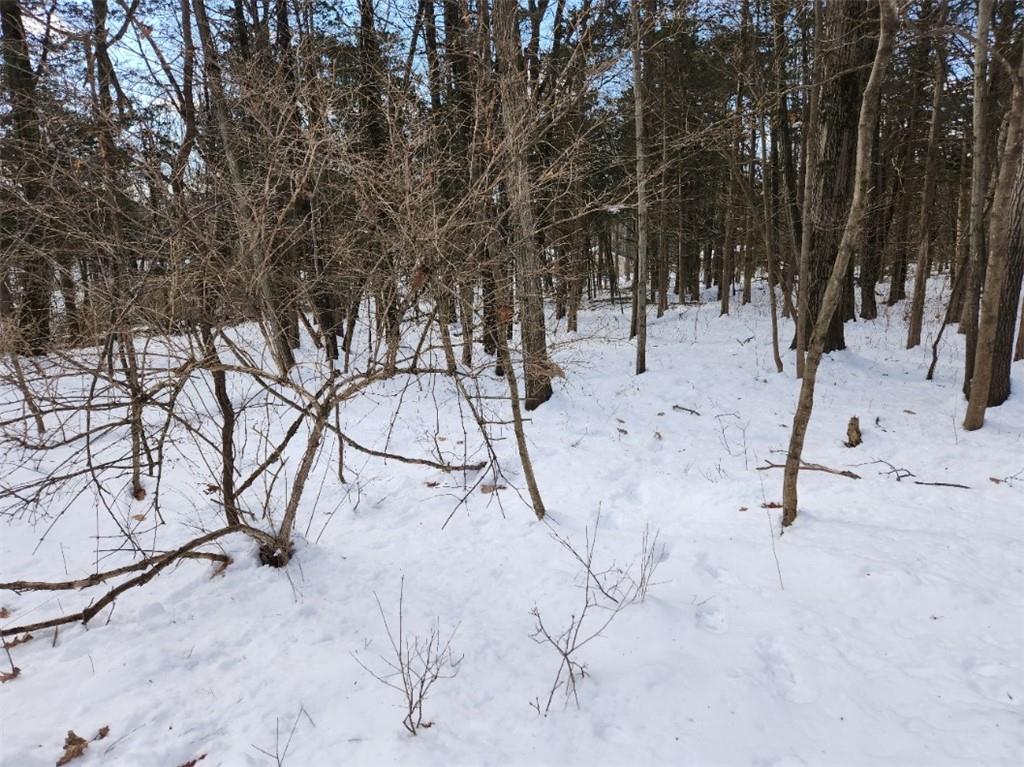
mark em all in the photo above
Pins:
pixel 834 143
pixel 923 263
pixel 514 101
pixel 34 311
pixel 979 182
pixel 852 236
pixel 996 274
pixel 640 294
pixel 1003 355
pixel 276 331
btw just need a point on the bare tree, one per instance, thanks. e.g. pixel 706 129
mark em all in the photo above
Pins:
pixel 852 235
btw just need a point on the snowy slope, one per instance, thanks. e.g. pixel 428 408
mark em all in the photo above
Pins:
pixel 886 627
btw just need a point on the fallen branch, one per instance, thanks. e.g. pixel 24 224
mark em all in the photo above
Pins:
pixel 96 578
pixel 894 471
pixel 902 474
pixel 682 409
pixel 804 466
pixel 159 563
pixel 943 484
pixel 445 467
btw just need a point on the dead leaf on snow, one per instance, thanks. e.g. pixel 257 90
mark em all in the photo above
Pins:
pixel 74 747
pixel 488 489
pixel 4 613
pixel 7 676
pixel 17 641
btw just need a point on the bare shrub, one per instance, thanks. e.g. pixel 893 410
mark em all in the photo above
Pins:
pixel 416 664
pixel 606 593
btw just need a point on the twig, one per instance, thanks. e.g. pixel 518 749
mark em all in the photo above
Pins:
pixel 943 484
pixel 96 578
pixel 159 564
pixel 811 467
pixel 682 409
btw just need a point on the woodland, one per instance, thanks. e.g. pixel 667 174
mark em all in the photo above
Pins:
pixel 432 382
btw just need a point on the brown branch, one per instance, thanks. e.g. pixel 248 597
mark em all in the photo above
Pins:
pixel 159 564
pixel 811 467
pixel 445 467
pixel 96 578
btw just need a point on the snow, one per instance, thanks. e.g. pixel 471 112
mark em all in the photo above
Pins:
pixel 886 627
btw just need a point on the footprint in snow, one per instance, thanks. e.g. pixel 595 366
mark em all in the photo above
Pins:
pixel 711 618
pixel 778 665
pixel 720 574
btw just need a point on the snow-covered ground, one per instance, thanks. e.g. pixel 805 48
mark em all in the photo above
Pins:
pixel 886 627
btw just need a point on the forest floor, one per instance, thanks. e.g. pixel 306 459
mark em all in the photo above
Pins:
pixel 886 627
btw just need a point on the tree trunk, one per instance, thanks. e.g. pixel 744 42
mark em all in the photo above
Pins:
pixel 979 182
pixel 852 235
pixel 996 274
pixel 640 294
pixel 923 263
pixel 246 219
pixel 1002 356
pixel 839 70
pixel 34 315
pixel 871 257
pixel 514 97
pixel 808 214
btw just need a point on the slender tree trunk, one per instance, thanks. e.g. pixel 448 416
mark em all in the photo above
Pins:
pixel 963 240
pixel 871 258
pixel 923 263
pixel 640 295
pixel 514 96
pixel 769 246
pixel 728 248
pixel 852 236
pixel 1018 352
pixel 808 214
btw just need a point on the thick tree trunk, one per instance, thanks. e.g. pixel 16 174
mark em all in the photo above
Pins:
pixel 997 274
pixel 1002 355
pixel 979 183
pixel 839 70
pixel 34 315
